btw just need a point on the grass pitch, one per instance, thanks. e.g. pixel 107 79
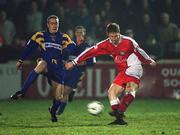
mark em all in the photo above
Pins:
pixel 144 117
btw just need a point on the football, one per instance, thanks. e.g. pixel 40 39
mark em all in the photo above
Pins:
pixel 95 107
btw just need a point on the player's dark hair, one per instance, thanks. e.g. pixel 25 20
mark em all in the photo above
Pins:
pixel 112 28
pixel 80 27
pixel 52 16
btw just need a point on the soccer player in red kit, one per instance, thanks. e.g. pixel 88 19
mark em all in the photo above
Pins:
pixel 128 58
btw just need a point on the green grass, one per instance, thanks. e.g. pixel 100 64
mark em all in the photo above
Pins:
pixel 144 117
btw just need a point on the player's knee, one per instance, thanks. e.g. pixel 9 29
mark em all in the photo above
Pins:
pixel 58 97
pixel 65 98
pixel 114 90
pixel 41 67
pixel 67 90
pixel 131 86
pixel 110 92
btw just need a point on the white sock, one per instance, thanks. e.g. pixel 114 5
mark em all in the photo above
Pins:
pixel 114 102
pixel 133 93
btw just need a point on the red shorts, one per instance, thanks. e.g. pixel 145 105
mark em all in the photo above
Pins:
pixel 122 79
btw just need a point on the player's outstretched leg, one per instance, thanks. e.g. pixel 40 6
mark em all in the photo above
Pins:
pixel 31 78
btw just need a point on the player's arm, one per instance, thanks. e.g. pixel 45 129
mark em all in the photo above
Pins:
pixel 35 41
pixel 69 47
pixel 90 61
pixel 142 55
pixel 97 50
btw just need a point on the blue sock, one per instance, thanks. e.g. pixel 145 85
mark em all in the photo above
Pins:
pixel 55 105
pixel 30 79
pixel 61 108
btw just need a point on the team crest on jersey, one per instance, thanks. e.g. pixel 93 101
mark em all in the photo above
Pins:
pixel 122 53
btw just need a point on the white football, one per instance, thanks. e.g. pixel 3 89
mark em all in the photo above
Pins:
pixel 95 107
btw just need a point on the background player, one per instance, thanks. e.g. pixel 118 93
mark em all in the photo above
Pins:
pixel 54 45
pixel 79 71
pixel 74 76
pixel 128 57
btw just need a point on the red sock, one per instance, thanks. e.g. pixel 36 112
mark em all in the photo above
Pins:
pixel 125 102
pixel 114 107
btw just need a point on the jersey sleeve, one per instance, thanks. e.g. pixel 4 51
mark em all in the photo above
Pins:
pixel 90 61
pixel 141 54
pixel 66 41
pixel 68 48
pixel 96 50
pixel 36 41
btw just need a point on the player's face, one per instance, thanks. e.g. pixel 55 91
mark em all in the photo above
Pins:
pixel 80 35
pixel 53 25
pixel 114 37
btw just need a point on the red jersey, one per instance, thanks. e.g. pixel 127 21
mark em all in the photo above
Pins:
pixel 127 54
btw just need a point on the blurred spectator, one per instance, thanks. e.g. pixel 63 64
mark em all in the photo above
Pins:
pixel 43 4
pixel 7 28
pixel 146 8
pixel 11 8
pixel 129 33
pixel 166 32
pixel 176 44
pixel 94 5
pixel 173 47
pixel 20 18
pixel 167 6
pixel 34 19
pixel 97 29
pixel 146 36
pixel 107 13
pixel 84 18
pixel 127 16
pixel 74 4
pixel 58 9
pixel 177 12
pixel 70 32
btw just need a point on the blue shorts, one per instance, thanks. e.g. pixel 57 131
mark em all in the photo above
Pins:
pixel 72 77
pixel 55 73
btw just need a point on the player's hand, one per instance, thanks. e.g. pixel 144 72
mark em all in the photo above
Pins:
pixel 69 65
pixel 19 65
pixel 153 63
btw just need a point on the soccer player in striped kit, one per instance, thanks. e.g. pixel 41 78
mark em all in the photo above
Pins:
pixel 54 45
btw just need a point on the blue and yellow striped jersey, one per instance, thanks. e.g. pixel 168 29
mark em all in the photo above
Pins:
pixel 53 46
